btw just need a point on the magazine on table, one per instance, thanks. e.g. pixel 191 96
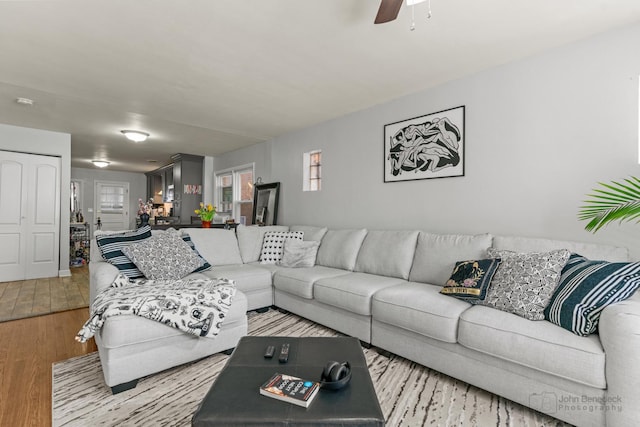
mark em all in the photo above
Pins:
pixel 290 389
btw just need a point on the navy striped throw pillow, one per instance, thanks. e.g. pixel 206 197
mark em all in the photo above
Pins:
pixel 189 242
pixel 111 247
pixel 586 287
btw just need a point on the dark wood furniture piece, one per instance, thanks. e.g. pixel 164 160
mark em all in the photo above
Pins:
pixel 234 399
pixel 177 226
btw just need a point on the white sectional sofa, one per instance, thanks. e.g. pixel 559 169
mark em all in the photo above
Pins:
pixel 383 288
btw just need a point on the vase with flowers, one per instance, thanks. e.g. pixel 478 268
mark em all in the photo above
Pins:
pixel 144 211
pixel 206 214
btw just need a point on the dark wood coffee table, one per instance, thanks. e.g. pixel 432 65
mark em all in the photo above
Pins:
pixel 234 398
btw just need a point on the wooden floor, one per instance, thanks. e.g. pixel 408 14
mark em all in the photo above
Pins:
pixel 27 298
pixel 28 347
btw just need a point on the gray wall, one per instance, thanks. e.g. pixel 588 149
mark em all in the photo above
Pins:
pixel 259 153
pixel 58 144
pixel 540 134
pixel 137 190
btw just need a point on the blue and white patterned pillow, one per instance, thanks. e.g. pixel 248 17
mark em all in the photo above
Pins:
pixel 111 248
pixel 189 242
pixel 586 287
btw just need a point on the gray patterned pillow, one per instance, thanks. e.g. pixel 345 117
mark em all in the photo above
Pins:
pixel 299 254
pixel 524 282
pixel 164 256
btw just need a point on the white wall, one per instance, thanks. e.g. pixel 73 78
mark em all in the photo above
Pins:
pixel 137 190
pixel 34 141
pixel 540 134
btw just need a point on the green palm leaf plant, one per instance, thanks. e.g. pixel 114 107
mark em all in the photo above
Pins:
pixel 617 201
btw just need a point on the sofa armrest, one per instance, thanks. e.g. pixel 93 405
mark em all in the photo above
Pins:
pixel 101 276
pixel 619 331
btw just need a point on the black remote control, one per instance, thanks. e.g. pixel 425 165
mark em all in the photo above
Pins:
pixel 284 353
pixel 269 352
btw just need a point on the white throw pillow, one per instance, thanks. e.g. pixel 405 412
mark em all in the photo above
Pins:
pixel 273 245
pixel 311 233
pixel 250 240
pixel 298 254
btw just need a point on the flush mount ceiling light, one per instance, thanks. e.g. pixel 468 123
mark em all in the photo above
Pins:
pixel 25 101
pixel 135 135
pixel 100 163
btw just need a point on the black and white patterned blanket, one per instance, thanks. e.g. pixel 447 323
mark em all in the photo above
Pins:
pixel 195 306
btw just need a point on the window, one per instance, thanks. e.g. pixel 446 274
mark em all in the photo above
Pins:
pixel 111 199
pixel 234 193
pixel 312 171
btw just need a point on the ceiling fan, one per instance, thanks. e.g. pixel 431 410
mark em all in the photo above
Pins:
pixel 389 10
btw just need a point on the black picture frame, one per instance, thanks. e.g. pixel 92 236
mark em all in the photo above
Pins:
pixel 425 147
pixel 265 203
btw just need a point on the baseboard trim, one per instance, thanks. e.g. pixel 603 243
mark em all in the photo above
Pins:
pixel 64 273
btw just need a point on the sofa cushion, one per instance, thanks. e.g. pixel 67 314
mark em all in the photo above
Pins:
pixel 538 345
pixel 419 308
pixel 387 253
pixel 128 329
pixel 111 245
pixel 437 254
pixel 250 240
pixel 297 254
pixel 470 280
pixel 339 248
pixel 524 282
pixel 273 245
pixel 164 257
pixel 299 281
pixel 353 291
pixel 216 245
pixel 247 277
pixel 311 233
pixel 586 288
pixel 589 250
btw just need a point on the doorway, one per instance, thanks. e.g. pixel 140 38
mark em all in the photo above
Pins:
pixel 112 205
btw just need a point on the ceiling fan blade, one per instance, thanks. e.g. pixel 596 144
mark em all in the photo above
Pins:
pixel 388 11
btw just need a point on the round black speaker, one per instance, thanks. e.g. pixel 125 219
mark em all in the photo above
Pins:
pixel 335 375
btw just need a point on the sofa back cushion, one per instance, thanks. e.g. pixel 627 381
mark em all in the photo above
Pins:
pixel 250 240
pixel 311 233
pixel 589 250
pixel 216 245
pixel 387 253
pixel 436 255
pixel 339 248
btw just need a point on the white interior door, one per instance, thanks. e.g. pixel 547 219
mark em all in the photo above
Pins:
pixel 29 216
pixel 112 205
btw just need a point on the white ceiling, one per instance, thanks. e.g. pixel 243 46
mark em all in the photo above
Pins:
pixel 209 76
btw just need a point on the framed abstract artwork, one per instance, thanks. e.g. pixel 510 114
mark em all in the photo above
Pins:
pixel 430 146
